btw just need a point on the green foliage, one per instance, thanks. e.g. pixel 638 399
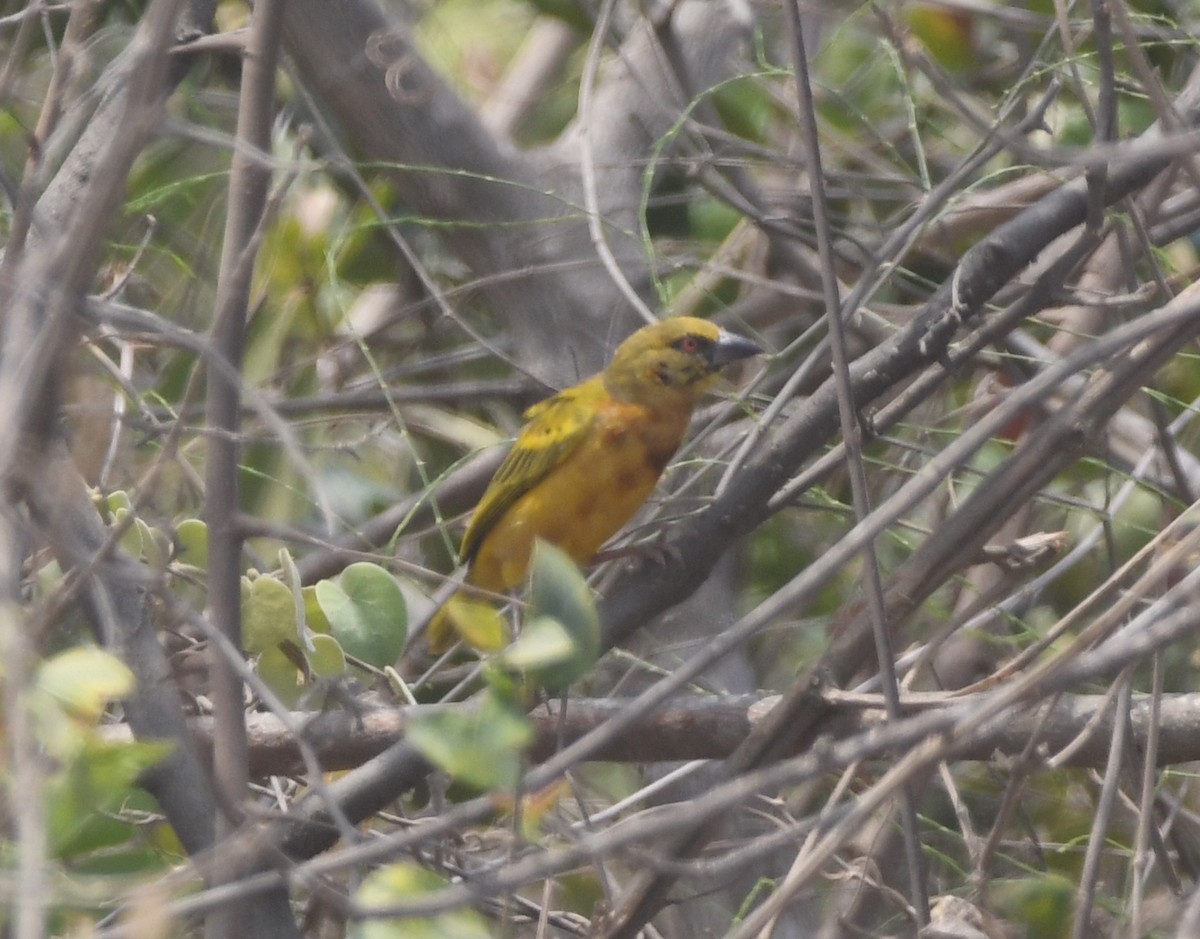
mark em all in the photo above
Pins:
pixel 747 107
pixel 92 777
pixel 191 535
pixel 80 683
pixel 481 746
pixel 269 614
pixel 84 796
pixel 560 640
pixel 1041 906
pixel 366 613
pixel 397 884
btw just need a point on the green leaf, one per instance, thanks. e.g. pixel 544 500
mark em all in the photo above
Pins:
pixel 281 675
pixel 543 642
pixel 291 579
pixel 118 501
pixel 83 680
pixel 404 882
pixel 1042 905
pixel 326 657
pixel 268 613
pixel 480 746
pixel 131 537
pixel 96 783
pixel 317 621
pixel 561 639
pixel 367 614
pixel 192 537
pixel 156 546
pixel 712 219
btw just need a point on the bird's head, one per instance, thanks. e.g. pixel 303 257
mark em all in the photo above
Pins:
pixel 678 358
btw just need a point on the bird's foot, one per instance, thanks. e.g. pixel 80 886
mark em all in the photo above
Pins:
pixel 657 551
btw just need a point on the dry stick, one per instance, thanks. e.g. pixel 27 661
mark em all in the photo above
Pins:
pixel 377 528
pixel 23 753
pixel 587 165
pixel 530 74
pixel 1152 86
pixel 994 329
pixel 81 24
pixel 1146 807
pixel 1106 102
pixel 928 741
pixel 1189 923
pixel 652 889
pixel 85 191
pixel 1125 600
pixel 17 50
pixel 128 319
pixel 1108 797
pixel 248 183
pixel 17 643
pixel 852 441
pixel 491 182
pixel 294 724
pixel 981 879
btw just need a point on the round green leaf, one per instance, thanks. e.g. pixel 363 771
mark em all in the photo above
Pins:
pixel 156 545
pixel 1043 904
pixel 366 612
pixel 543 642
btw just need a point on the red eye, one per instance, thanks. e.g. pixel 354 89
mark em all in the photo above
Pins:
pixel 690 345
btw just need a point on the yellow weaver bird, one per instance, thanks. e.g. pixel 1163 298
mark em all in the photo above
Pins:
pixel 589 457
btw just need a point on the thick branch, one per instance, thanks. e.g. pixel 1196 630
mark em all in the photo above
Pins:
pixel 705 727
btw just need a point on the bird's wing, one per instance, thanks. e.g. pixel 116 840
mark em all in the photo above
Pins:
pixel 553 429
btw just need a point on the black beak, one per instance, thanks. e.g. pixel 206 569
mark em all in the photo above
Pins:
pixel 731 347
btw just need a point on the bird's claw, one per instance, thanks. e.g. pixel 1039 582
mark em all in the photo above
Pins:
pixel 657 550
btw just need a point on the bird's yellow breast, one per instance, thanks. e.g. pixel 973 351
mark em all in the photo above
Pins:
pixel 589 497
